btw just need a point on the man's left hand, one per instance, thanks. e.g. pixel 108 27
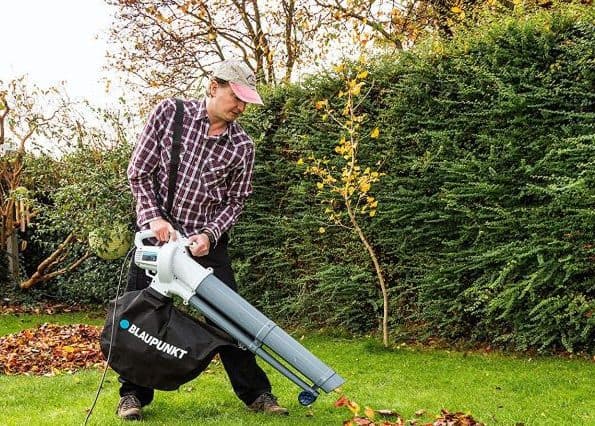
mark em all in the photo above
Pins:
pixel 199 245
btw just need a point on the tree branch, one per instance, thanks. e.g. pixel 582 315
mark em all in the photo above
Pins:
pixel 3 116
pixel 53 259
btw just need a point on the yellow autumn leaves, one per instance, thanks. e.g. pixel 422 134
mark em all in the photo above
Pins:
pixel 350 183
pixel 355 409
pixel 321 104
pixel 352 186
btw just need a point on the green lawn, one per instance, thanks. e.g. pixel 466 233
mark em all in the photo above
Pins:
pixel 496 389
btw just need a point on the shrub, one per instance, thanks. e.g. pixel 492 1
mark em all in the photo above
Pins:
pixel 485 224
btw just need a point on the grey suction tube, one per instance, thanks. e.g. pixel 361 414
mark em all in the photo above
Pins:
pixel 245 340
pixel 226 306
pixel 260 330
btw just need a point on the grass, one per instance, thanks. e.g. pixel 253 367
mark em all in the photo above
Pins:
pixel 14 323
pixel 495 388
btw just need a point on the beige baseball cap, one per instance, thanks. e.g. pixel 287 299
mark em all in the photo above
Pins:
pixel 241 79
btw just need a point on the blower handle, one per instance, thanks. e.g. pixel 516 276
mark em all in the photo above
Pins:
pixel 140 236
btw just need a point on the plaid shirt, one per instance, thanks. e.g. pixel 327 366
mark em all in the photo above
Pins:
pixel 214 175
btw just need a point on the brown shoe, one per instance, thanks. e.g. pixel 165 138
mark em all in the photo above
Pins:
pixel 267 403
pixel 129 408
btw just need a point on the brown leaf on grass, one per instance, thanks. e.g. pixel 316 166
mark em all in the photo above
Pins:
pixel 51 349
pixel 369 413
pixel 398 422
pixel 455 419
pixel 342 401
pixel 445 418
pixel 387 413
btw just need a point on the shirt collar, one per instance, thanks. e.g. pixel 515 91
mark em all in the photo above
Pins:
pixel 199 112
pixel 199 109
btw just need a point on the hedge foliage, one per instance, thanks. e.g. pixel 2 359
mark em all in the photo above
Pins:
pixel 485 217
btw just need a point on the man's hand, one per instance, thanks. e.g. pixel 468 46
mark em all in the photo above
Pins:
pixel 163 230
pixel 199 245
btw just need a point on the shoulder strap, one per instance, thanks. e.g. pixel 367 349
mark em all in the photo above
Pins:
pixel 175 154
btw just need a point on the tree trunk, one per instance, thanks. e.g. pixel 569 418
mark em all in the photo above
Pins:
pixel 12 252
pixel 377 268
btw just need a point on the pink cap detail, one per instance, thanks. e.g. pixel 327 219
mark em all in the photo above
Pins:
pixel 246 93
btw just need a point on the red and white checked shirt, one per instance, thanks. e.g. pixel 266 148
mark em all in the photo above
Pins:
pixel 214 175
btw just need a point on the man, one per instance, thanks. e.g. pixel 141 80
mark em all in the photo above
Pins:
pixel 213 181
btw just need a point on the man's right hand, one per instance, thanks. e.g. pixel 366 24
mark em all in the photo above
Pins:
pixel 163 230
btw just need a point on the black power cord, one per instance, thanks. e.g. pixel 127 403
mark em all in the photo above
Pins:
pixel 109 353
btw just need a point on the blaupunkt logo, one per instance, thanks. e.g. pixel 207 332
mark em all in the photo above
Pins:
pixel 150 340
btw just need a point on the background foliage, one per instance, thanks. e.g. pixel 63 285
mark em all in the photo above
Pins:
pixel 485 223
pixel 84 191
pixel 485 220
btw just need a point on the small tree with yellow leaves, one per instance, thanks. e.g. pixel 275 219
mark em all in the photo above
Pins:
pixel 345 189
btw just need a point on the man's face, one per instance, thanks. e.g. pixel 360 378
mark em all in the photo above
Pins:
pixel 225 104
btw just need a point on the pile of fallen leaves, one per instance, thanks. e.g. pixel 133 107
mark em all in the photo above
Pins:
pixel 51 349
pixel 373 417
pixel 6 308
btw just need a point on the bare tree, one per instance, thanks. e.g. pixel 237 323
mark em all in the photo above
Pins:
pixel 397 24
pixel 26 115
pixel 167 46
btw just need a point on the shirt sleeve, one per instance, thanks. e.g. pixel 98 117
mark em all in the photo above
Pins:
pixel 145 161
pixel 240 187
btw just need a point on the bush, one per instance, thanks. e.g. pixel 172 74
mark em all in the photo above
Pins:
pixel 80 193
pixel 485 216
pixel 94 283
pixel 5 280
pixel 500 182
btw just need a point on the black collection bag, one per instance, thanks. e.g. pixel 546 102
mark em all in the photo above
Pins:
pixel 156 345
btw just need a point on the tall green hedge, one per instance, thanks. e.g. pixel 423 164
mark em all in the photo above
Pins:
pixel 501 182
pixel 485 224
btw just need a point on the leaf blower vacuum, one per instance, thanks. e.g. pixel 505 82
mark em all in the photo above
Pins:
pixel 149 351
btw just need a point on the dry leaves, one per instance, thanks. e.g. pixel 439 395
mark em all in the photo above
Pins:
pixel 51 349
pixel 392 418
pixel 455 419
pixel 6 308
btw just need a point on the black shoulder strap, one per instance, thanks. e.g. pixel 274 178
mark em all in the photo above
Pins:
pixel 175 155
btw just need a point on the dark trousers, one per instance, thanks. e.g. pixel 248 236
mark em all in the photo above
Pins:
pixel 248 380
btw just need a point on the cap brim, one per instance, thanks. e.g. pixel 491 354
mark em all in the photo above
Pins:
pixel 246 94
